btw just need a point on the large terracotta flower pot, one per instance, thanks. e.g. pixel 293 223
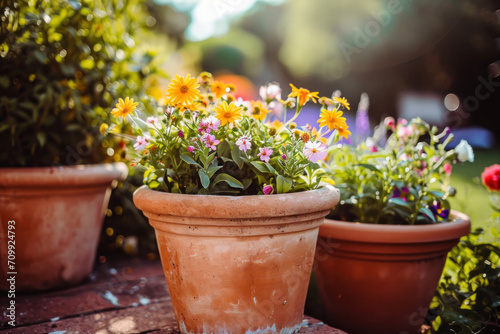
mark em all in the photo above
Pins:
pixel 57 214
pixel 381 278
pixel 237 264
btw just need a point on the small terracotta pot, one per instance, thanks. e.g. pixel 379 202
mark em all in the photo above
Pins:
pixel 58 214
pixel 237 264
pixel 381 278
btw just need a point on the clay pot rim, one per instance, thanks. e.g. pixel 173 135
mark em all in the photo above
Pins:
pixel 62 176
pixel 251 206
pixel 396 234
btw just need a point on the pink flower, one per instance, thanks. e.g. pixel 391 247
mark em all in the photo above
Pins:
pixel 244 143
pixel 271 91
pixel 169 110
pixel 265 154
pixel 181 134
pixel 283 157
pixel 405 131
pixel 141 142
pixel 315 151
pixel 447 168
pixel 154 120
pixel 208 124
pixel 390 122
pixel 267 190
pixel 190 149
pixel 210 141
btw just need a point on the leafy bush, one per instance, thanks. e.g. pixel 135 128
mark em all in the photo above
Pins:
pixel 62 62
pixel 467 299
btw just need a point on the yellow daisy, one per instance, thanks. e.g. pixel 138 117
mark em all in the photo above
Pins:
pixel 258 111
pixel 331 118
pixel 343 131
pixel 342 101
pixel 228 113
pixel 183 90
pixel 218 88
pixel 123 108
pixel 303 95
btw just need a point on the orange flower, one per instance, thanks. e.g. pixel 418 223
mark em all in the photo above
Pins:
pixel 228 113
pixel 183 90
pixel 123 108
pixel 218 88
pixel 303 95
pixel 331 118
pixel 344 131
pixel 342 101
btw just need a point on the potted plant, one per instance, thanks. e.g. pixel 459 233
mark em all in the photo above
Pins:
pixel 380 258
pixel 56 63
pixel 236 202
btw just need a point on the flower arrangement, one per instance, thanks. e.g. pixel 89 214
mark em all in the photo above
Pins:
pixel 205 141
pixel 402 178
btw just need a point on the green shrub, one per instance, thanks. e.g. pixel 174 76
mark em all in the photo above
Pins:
pixel 62 64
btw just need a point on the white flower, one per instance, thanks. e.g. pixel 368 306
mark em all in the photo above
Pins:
pixel 141 142
pixel 154 120
pixel 464 151
pixel 315 151
pixel 271 91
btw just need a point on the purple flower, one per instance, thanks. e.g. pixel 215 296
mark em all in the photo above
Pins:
pixel 181 134
pixel 283 157
pixel 267 190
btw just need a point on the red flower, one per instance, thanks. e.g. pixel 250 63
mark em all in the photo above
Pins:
pixel 491 177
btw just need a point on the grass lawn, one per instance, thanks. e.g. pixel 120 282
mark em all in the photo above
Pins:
pixel 472 197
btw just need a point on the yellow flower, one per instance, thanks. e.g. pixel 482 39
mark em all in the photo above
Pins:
pixel 123 108
pixel 303 95
pixel 103 128
pixel 343 131
pixel 183 90
pixel 342 101
pixel 258 111
pixel 218 88
pixel 331 118
pixel 228 113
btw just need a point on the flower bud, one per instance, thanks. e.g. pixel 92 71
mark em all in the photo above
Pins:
pixel 272 130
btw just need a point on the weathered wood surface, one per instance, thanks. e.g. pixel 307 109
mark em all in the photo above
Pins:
pixel 119 297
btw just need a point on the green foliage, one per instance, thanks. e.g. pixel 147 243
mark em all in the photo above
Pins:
pixel 467 299
pixel 402 179
pixel 62 62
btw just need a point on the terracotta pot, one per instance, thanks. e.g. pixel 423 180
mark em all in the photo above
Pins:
pixel 58 214
pixel 237 264
pixel 381 278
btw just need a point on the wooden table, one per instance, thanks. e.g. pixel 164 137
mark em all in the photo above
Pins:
pixel 120 297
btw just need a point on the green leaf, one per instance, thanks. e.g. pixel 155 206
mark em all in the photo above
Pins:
pixel 4 81
pixel 283 184
pixel 236 155
pixel 229 180
pixel 370 167
pixel 399 202
pixel 260 166
pixel 428 213
pixel 140 123
pixel 223 149
pixel 271 169
pixel 4 127
pixel 189 160
pixel 212 170
pixel 41 138
pixel 205 180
